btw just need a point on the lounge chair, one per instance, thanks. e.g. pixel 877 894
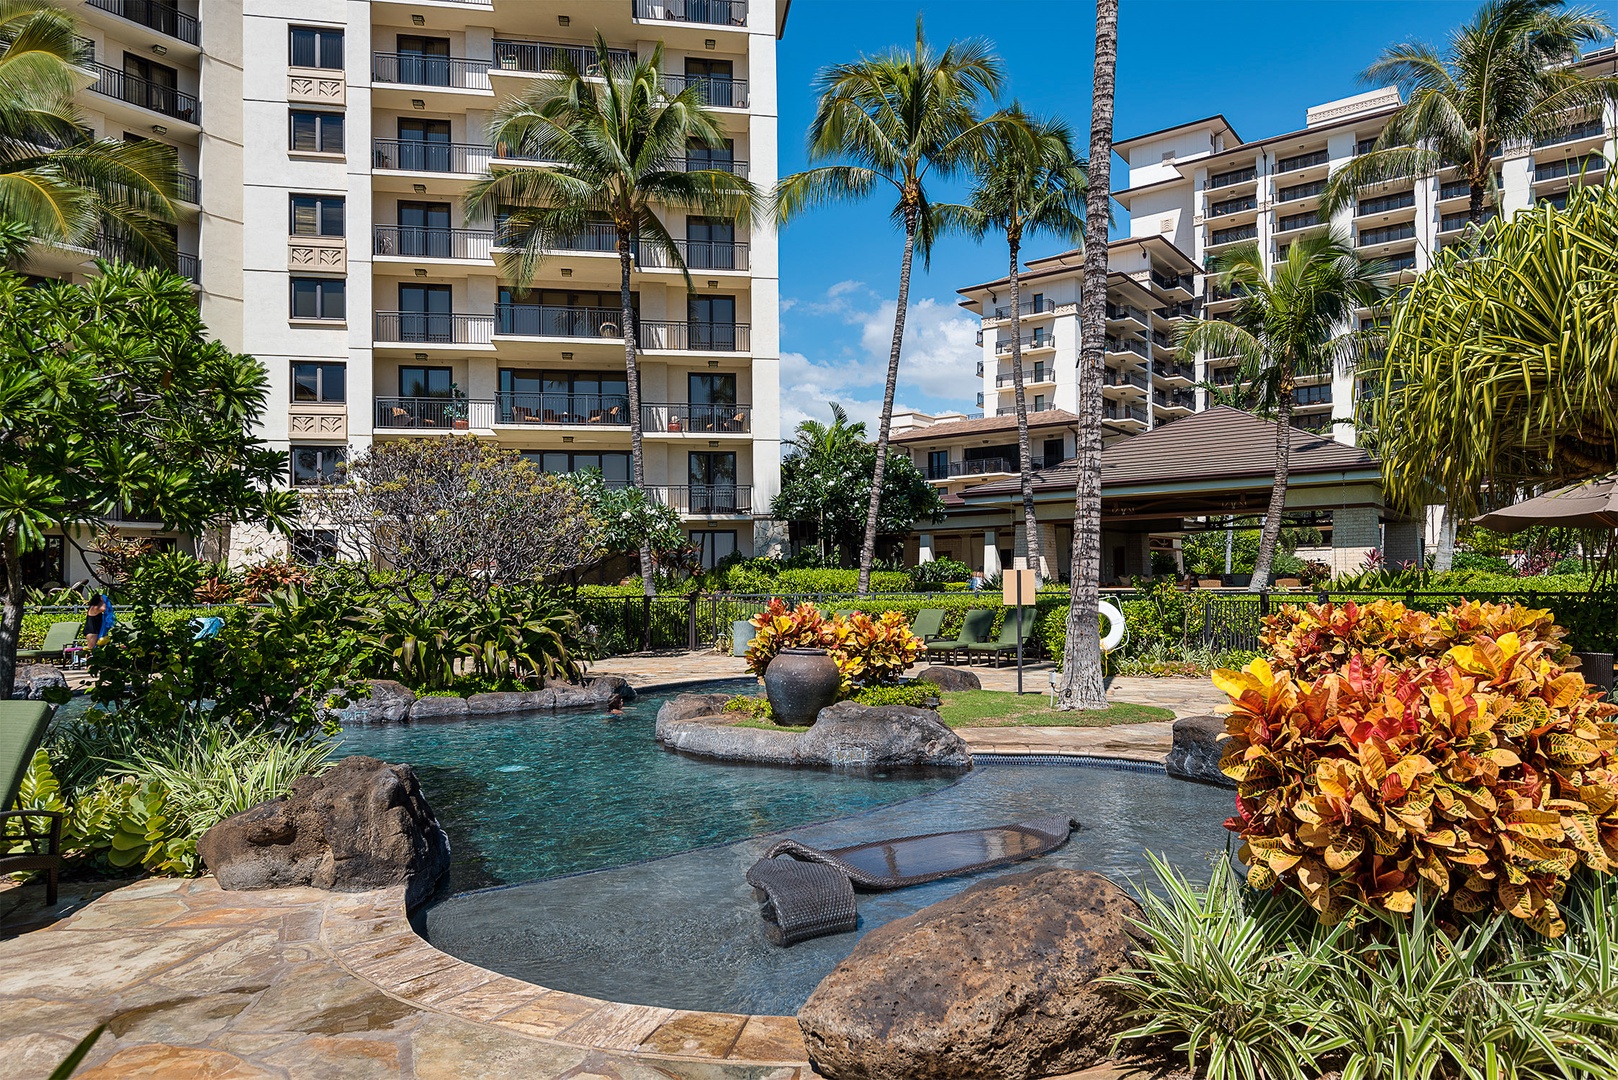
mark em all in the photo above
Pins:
pixel 929 624
pixel 974 631
pixel 22 726
pixel 1006 644
pixel 57 638
pixel 811 892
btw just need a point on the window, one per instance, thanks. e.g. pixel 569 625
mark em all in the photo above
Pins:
pixel 938 464
pixel 317 132
pixel 313 546
pixel 423 61
pixel 316 464
pixel 316 383
pixel 426 381
pixel 613 465
pixel 716 78
pixel 710 243
pixel 715 544
pixel 425 313
pixel 1052 453
pixel 563 397
pixel 151 85
pixel 713 482
pixel 318 298
pixel 311 47
pixel 699 155
pixel 317 215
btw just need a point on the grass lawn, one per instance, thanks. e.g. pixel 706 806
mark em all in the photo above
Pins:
pixel 998 708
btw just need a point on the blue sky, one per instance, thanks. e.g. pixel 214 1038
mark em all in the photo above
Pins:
pixel 1260 63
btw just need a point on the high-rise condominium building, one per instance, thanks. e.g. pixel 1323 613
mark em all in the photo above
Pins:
pixel 329 146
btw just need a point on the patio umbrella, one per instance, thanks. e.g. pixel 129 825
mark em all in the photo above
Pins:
pixel 1591 505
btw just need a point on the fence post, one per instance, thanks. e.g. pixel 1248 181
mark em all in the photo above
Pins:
pixel 1264 602
pixel 691 623
pixel 1410 598
pixel 1323 597
pixel 645 624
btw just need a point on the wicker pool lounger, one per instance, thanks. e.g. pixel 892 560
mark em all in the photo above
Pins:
pixel 811 892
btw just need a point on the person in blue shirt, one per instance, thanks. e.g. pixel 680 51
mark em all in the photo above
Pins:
pixel 98 621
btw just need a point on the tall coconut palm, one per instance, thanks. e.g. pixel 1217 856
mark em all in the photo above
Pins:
pixel 1081 686
pixel 1031 182
pixel 57 179
pixel 900 119
pixel 1295 322
pixel 615 143
pixel 1504 78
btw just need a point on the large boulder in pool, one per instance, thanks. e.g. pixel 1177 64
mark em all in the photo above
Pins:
pixel 388 702
pixel 362 824
pixel 881 737
pixel 34 681
pixel 689 706
pixel 1198 745
pixel 1001 980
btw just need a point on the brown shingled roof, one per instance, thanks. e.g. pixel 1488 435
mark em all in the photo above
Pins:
pixel 1220 443
pixel 954 429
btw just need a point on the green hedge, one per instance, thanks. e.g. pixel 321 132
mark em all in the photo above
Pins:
pixel 36 624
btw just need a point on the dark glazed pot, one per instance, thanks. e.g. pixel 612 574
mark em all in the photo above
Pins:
pixel 799 683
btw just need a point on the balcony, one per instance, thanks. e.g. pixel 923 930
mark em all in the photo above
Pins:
pixel 1233 206
pixel 712 12
pixel 1231 236
pixel 1461 189
pixel 1587 129
pixel 1128 345
pixel 433 414
pixel 716 93
pixel 1174 399
pixel 1387 235
pixel 1172 372
pixel 1188 309
pixel 567 410
pixel 428 328
pixel 1396 263
pixel 1300 191
pixel 189 187
pixel 1225 376
pixel 1031 407
pixel 155 16
pixel 1164 280
pixel 414 69
pixel 714 162
pixel 985 467
pixel 1385 204
pixel 1125 415
pixel 413 242
pixel 1454 222
pixel 696 254
pixel 1234 176
pixel 695 336
pixel 188 267
pixel 1302 161
pixel 1306 396
pixel 411 155
pixel 1002 347
pixel 685 418
pixel 704 500
pixel 545 320
pixel 550 57
pixel 1031 307
pixel 1125 313
pixel 1555 170
pixel 1038 375
pixel 1114 377
pixel 173 103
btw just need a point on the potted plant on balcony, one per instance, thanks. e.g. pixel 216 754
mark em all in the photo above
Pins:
pixel 456 410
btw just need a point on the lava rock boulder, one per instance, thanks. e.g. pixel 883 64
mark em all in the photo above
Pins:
pixel 882 736
pixel 1198 745
pixel 362 824
pixel 1001 980
pixel 950 678
pixel 33 680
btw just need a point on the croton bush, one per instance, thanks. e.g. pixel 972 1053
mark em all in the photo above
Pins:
pixel 1383 752
pixel 868 651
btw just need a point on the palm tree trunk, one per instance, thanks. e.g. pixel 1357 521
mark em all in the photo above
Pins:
pixel 11 622
pixel 637 462
pixel 1025 464
pixel 1444 557
pixel 1271 536
pixel 868 548
pixel 1081 686
pixel 1474 203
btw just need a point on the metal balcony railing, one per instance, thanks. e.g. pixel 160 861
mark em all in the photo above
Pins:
pixel 1233 206
pixel 545 320
pixel 434 413
pixel 716 12
pixel 1002 347
pixel 189 187
pixel 147 94
pixel 1234 176
pixel 1166 280
pixel 1302 161
pixel 1230 236
pixel 1038 374
pixel 1117 411
pixel 596 236
pixel 1125 311
pixel 1033 407
pixel 704 499
pixel 1388 234
pixel 411 155
pixel 711 162
pixel 1381 205
pixel 1586 129
pixel 550 56
pixel 1451 222
pixel 163 18
pixel 695 336
pixel 1177 399
pixel 1133 345
pixel 419 242
pixel 696 254
pixel 686 418
pixel 1298 221
pixel 1029 307
pixel 414 69
pixel 1114 377
pixel 435 328
pixel 600 410
pixel 188 267
pixel 715 92
pixel 1300 191
pixel 1552 170
pixel 1164 370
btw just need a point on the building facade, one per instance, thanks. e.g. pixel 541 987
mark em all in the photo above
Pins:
pixel 329 147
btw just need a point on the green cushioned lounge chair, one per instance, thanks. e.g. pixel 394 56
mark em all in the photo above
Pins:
pixel 929 624
pixel 22 726
pixel 1006 644
pixel 974 630
pixel 57 638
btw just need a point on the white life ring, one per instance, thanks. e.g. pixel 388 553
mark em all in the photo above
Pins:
pixel 1117 629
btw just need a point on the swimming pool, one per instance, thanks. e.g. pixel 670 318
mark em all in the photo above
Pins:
pixel 602 864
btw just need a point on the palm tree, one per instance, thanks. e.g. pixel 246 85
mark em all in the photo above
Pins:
pixel 1504 78
pixel 1081 686
pixel 1287 325
pixel 57 180
pixel 829 447
pixel 616 144
pixel 900 119
pixel 1031 182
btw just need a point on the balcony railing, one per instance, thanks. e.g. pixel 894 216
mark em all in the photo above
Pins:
pixel 1163 369
pixel 189 187
pixel 147 94
pixel 188 267
pixel 1185 309
pixel 1230 236
pixel 1397 201
pixel 1233 206
pixel 685 417
pixel 1300 191
pixel 1460 189
pixel 717 93
pixel 1116 411
pixel 599 236
pixel 1395 263
pixel 1174 399
pixel 1028 307
pixel 1033 407
pixel 716 12
pixel 540 56
pixel 1588 129
pixel 695 336
pixel 441 328
pixel 1172 281
pixel 155 16
pixel 1302 161
pixel 1234 176
pixel 1126 345
pixel 713 162
pixel 601 410
pixel 1552 170
pixel 433 413
pixel 1387 234
pixel 984 467
pixel 704 499
pixel 1037 375
pixel 419 242
pixel 1226 376
pixel 412 155
pixel 414 69
pixel 696 254
pixel 1312 395
pixel 1451 222
pixel 1002 346
pixel 1125 311
pixel 1114 377
pixel 545 320
pixel 1297 221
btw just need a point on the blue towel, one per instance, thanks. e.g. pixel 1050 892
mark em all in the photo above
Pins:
pixel 207 627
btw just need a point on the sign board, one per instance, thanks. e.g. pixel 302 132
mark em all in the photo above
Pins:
pixel 1027 580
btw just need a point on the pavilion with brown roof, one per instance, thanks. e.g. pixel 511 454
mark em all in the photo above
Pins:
pixel 1159 485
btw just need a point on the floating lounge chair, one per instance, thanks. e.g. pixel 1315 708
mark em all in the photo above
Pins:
pixel 974 629
pixel 810 892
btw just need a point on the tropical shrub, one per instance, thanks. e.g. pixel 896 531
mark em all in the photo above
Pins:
pixel 866 650
pixel 878 650
pixel 274 575
pixel 939 572
pixel 1388 753
pixel 165 577
pixel 917 695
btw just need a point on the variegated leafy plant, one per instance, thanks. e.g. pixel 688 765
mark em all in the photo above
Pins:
pixel 1385 752
pixel 867 650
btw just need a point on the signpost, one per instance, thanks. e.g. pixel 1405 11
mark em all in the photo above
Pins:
pixel 1018 588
